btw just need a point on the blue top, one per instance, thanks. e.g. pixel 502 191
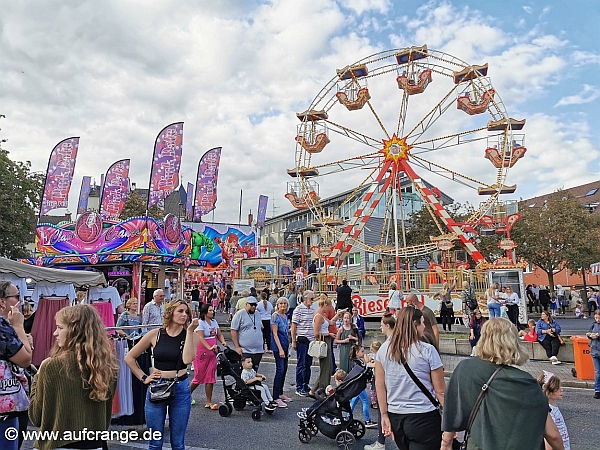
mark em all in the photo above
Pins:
pixel 542 325
pixel 10 344
pixel 282 332
pixel 595 343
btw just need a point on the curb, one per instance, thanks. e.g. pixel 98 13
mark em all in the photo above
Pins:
pixel 572 383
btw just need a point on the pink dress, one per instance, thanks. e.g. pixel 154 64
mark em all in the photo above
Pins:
pixel 205 363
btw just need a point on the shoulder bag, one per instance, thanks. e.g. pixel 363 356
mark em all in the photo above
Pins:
pixel 13 384
pixel 162 390
pixel 318 347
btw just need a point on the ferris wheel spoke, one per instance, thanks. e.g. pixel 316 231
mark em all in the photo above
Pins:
pixel 355 135
pixel 402 114
pixel 357 162
pixel 447 173
pixel 450 140
pixel 433 115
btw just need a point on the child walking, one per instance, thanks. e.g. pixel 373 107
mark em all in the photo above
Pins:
pixel 550 384
pixel 255 380
pixel 357 356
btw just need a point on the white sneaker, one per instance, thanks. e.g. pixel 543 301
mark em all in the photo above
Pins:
pixel 556 362
pixel 553 358
pixel 375 446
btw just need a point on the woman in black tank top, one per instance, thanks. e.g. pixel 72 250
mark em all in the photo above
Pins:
pixel 174 347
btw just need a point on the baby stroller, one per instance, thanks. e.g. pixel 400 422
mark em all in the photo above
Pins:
pixel 238 393
pixel 333 416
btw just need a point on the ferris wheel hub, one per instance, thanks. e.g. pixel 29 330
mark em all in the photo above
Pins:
pixel 395 149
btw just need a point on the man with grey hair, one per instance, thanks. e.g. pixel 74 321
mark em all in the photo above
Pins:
pixel 302 332
pixel 241 303
pixel 153 311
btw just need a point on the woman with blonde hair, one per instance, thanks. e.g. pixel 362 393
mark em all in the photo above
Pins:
pixel 514 398
pixel 493 304
pixel 280 343
pixel 406 410
pixel 130 317
pixel 174 347
pixel 74 387
pixel 321 330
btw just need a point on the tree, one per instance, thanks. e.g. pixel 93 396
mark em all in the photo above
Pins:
pixel 558 234
pixel 135 206
pixel 20 194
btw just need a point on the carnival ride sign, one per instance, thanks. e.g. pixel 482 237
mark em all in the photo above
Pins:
pixel 90 240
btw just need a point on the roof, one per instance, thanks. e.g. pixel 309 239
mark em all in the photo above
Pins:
pixel 75 277
pixel 587 194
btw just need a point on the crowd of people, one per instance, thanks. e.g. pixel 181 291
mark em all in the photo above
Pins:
pixel 408 390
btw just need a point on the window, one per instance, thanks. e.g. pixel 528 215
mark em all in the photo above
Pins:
pixel 591 192
pixel 353 259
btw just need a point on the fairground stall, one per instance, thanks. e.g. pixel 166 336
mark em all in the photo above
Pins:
pixel 141 254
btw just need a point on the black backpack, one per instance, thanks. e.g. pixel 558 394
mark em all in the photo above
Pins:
pixel 471 300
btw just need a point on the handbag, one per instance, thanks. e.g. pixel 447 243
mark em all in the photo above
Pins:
pixel 318 349
pixel 162 390
pixel 13 389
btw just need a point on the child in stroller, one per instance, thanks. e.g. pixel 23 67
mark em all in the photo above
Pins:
pixel 333 415
pixel 254 380
pixel 238 393
pixel 338 377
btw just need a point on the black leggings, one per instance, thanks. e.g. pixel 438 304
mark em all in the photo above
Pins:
pixel 417 431
pixel 447 318
pixel 551 344
pixel 266 331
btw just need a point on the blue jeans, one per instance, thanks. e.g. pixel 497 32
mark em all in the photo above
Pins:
pixel 303 366
pixel 364 399
pixel 5 444
pixel 179 415
pixel 494 309
pixel 596 360
pixel 281 366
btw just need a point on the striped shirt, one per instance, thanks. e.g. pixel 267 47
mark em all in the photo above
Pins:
pixel 303 318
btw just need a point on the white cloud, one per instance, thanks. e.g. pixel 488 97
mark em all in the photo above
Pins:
pixel 587 95
pixel 115 73
pixel 528 9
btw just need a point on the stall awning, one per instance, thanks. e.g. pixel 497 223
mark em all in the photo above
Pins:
pixel 75 277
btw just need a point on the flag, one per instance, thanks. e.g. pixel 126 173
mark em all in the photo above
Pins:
pixel 114 194
pixel 59 175
pixel 164 177
pixel 206 183
pixel 262 210
pixel 84 195
pixel 101 185
pixel 189 215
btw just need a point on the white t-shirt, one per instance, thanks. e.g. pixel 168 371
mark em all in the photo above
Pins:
pixel 210 331
pixel 403 395
pixel 394 299
pixel 265 313
pixel 167 288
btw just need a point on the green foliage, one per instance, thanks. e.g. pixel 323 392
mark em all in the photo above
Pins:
pixel 558 235
pixel 20 195
pixel 135 206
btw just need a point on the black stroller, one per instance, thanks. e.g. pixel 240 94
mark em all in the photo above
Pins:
pixel 333 416
pixel 238 393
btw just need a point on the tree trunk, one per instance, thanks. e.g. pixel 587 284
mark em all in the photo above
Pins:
pixel 550 274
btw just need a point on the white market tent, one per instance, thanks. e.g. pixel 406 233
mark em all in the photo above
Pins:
pixel 75 277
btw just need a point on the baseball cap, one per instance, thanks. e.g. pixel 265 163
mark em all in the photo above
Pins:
pixel 252 300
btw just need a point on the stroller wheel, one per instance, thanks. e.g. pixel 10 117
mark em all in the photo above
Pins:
pixel 304 435
pixel 239 405
pixel 312 428
pixel 224 410
pixel 357 428
pixel 229 407
pixel 256 414
pixel 344 440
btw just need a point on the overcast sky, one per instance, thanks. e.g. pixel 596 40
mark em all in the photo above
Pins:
pixel 115 72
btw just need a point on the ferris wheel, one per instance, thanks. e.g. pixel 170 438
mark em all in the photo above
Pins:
pixel 404 115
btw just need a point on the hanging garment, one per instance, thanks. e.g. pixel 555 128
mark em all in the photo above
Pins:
pixel 44 326
pixel 109 293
